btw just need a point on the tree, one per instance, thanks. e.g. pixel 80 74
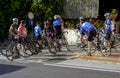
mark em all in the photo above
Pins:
pixel 42 9
pixel 46 9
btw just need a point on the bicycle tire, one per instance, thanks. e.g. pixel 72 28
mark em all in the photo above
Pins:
pixel 3 48
pixel 93 49
pixel 115 44
pixel 28 50
pixel 105 52
pixel 9 51
pixel 38 49
pixel 65 43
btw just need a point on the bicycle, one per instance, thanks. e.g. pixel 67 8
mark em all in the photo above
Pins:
pixel 96 45
pixel 14 48
pixel 58 42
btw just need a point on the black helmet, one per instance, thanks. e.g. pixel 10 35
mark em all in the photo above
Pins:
pixel 22 21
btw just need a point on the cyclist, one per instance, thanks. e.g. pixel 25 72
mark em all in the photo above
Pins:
pixel 88 28
pixel 13 32
pixel 22 34
pixel 13 29
pixel 48 30
pixel 58 28
pixel 107 29
pixel 37 31
pixel 82 20
pixel 58 25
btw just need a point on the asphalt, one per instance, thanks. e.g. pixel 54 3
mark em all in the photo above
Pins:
pixel 75 58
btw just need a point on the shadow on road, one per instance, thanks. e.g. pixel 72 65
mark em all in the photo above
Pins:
pixel 5 69
pixel 55 60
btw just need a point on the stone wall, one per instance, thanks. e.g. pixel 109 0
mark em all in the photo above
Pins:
pixel 117 27
pixel 75 8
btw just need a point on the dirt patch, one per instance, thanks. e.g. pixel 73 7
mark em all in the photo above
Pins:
pixel 114 58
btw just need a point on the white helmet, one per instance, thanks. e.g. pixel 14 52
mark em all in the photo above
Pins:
pixel 107 14
pixel 57 16
pixel 81 18
pixel 15 19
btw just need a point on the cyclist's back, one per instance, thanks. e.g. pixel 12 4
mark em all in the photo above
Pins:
pixel 86 27
pixel 57 25
pixel 37 30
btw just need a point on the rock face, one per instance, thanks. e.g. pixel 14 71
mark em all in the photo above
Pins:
pixel 75 8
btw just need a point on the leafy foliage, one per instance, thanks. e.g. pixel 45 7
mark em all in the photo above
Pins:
pixel 42 9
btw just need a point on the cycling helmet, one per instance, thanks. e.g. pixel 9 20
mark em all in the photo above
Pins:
pixel 57 16
pixel 22 22
pixel 81 18
pixel 107 14
pixel 15 19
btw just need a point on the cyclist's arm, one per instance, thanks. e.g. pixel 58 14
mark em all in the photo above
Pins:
pixel 11 31
pixel 62 27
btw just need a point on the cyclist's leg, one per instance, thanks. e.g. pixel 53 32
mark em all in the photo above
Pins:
pixel 91 37
pixel 21 41
pixel 106 49
pixel 106 41
pixel 58 35
pixel 81 40
pixel 39 40
pixel 15 52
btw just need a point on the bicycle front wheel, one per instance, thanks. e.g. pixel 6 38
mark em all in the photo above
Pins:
pixel 93 49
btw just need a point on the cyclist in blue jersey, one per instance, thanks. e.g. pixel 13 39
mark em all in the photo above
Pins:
pixel 37 30
pixel 108 26
pixel 82 20
pixel 107 29
pixel 88 28
pixel 57 25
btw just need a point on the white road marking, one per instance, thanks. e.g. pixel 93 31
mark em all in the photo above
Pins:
pixel 83 67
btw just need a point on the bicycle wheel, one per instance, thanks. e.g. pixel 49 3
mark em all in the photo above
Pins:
pixel 93 49
pixel 52 47
pixel 106 52
pixel 37 47
pixel 27 47
pixel 115 44
pixel 3 48
pixel 64 43
pixel 10 50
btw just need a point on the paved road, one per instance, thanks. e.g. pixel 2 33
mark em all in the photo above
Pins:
pixel 46 65
pixel 40 70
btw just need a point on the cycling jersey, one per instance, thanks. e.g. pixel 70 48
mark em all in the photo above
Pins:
pixel 108 29
pixel 108 22
pixel 22 32
pixel 86 27
pixel 89 29
pixel 37 30
pixel 48 31
pixel 57 26
pixel 13 32
pixel 13 28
